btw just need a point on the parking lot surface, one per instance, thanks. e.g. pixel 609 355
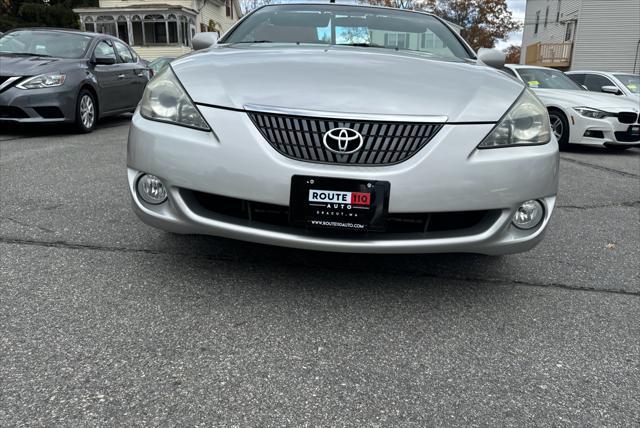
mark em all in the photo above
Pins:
pixel 106 321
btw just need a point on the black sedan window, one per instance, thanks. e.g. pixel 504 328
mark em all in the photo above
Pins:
pixel 56 44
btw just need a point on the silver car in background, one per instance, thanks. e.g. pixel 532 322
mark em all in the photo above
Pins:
pixel 344 128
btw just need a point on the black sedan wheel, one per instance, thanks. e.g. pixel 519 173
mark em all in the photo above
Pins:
pixel 560 128
pixel 86 113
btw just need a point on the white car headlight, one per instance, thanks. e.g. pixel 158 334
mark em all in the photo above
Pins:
pixel 48 80
pixel 526 123
pixel 165 100
pixel 591 112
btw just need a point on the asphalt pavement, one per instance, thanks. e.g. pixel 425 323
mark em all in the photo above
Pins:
pixel 106 321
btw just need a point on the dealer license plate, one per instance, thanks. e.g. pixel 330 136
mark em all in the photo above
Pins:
pixel 335 203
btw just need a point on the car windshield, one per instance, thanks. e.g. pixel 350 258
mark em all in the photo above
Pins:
pixel 351 26
pixel 631 81
pixel 546 78
pixel 56 44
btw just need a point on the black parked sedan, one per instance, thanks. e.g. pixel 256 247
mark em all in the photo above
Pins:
pixel 51 75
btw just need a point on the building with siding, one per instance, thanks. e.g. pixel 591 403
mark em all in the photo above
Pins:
pixel 159 29
pixel 582 34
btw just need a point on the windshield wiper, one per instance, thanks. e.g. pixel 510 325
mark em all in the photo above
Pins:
pixel 251 42
pixel 366 45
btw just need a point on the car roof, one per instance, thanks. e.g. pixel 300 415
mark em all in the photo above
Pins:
pixel 58 30
pixel 600 72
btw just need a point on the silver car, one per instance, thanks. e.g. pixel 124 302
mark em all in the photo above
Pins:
pixel 344 128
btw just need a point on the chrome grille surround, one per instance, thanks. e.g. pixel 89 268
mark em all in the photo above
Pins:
pixel 385 142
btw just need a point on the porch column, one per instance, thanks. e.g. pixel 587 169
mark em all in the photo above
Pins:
pixel 166 29
pixel 129 30
pixel 179 28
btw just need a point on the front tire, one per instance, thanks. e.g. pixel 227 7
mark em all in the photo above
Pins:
pixel 86 112
pixel 560 128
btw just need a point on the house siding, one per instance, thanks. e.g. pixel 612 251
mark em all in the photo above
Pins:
pixel 216 11
pixel 555 31
pixel 607 36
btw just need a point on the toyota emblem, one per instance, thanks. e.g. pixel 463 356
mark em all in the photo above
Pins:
pixel 342 141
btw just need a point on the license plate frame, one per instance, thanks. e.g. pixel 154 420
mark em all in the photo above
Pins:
pixel 634 130
pixel 327 208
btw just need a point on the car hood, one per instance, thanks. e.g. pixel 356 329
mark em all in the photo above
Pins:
pixel 346 80
pixel 32 65
pixel 569 98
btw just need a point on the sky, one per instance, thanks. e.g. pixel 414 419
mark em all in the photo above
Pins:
pixel 517 7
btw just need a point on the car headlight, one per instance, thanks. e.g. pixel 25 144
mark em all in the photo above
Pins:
pixel 591 112
pixel 165 100
pixel 48 80
pixel 526 123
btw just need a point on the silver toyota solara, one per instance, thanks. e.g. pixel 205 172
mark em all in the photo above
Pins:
pixel 344 128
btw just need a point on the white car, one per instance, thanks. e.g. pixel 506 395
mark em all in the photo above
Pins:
pixel 622 84
pixel 579 116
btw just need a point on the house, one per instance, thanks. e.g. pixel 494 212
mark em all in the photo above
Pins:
pixel 582 34
pixel 159 29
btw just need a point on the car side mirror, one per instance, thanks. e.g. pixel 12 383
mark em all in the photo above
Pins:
pixel 611 90
pixel 492 57
pixel 105 60
pixel 204 40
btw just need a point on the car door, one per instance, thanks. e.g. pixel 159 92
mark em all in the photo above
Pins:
pixel 134 76
pixel 106 75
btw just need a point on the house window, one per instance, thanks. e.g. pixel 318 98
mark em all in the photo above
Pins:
pixel 228 5
pixel 535 29
pixel 558 11
pixel 89 25
pixel 123 29
pixel 106 25
pixel 172 24
pixel 546 17
pixel 569 34
pixel 155 30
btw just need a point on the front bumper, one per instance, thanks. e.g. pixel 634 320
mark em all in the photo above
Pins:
pixel 38 105
pixel 449 174
pixel 605 132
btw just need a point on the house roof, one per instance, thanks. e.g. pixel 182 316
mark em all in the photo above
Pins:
pixel 135 7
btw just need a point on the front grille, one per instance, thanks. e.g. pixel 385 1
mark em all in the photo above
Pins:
pixel 258 213
pixel 627 117
pixel 10 112
pixel 384 143
pixel 625 137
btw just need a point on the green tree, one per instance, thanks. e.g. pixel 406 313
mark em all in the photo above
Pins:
pixel 39 13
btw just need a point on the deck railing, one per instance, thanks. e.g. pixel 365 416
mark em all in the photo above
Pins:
pixel 549 54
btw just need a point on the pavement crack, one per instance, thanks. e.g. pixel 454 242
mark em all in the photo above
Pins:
pixel 34 226
pixel 630 204
pixel 600 167
pixel 224 258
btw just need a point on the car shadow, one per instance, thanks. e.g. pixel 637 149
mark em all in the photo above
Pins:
pixel 22 130
pixel 240 253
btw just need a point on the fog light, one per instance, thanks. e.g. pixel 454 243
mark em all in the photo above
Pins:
pixel 151 189
pixel 528 215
